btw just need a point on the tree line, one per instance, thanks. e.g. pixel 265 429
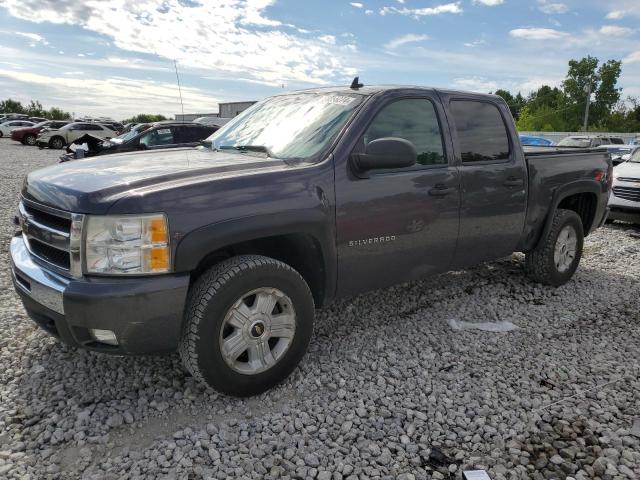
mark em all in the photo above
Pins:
pixel 35 109
pixel 562 109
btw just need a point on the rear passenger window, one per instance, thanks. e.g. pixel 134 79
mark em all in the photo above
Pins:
pixel 482 134
pixel 414 120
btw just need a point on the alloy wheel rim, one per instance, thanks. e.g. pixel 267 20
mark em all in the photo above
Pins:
pixel 31 140
pixel 257 331
pixel 565 249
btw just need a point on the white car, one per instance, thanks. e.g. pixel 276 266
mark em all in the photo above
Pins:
pixel 624 202
pixel 60 137
pixel 6 127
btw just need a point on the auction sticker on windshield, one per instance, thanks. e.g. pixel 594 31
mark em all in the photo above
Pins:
pixel 337 99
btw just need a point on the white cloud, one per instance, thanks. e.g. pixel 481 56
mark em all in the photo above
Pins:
pixel 488 3
pixel 114 96
pixel 475 43
pixel 615 15
pixel 233 36
pixel 532 33
pixel 405 39
pixel 552 8
pixel 425 11
pixel 33 37
pixel 356 4
pixel 475 84
pixel 368 12
pixel 633 57
pixel 330 39
pixel 616 31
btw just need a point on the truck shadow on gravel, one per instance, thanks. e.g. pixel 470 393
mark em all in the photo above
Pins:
pixel 376 349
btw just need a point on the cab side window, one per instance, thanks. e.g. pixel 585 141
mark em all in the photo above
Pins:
pixel 160 136
pixel 414 120
pixel 482 133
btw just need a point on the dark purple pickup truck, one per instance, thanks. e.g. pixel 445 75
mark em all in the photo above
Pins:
pixel 222 252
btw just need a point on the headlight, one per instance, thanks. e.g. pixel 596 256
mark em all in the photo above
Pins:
pixel 127 244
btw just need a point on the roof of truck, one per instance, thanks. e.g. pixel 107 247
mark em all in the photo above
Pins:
pixel 368 90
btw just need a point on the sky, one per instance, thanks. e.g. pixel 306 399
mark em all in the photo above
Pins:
pixel 116 57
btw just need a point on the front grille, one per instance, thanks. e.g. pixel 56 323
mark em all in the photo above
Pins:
pixel 47 233
pixel 627 193
pixel 629 179
pixel 52 255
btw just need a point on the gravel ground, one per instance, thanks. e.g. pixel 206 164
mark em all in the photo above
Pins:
pixel 397 384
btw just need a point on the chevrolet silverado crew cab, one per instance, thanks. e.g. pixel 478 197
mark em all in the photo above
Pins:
pixel 222 253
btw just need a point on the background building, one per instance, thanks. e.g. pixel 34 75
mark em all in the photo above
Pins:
pixel 232 109
pixel 190 117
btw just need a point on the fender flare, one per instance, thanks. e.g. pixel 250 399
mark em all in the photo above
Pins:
pixel 573 188
pixel 195 246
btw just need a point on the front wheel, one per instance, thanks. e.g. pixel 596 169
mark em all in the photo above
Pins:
pixel 29 140
pixel 247 325
pixel 556 257
pixel 57 143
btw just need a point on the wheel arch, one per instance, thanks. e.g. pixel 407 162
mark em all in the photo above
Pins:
pixel 581 197
pixel 304 245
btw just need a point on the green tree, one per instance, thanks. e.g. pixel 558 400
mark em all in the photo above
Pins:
pixel 11 106
pixel 145 118
pixel 55 113
pixel 35 109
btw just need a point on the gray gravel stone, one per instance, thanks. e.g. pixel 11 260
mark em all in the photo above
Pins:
pixel 386 383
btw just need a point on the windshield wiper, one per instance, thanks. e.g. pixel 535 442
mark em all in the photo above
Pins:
pixel 247 148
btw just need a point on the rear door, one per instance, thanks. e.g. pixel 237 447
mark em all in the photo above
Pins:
pixel 493 179
pixel 398 225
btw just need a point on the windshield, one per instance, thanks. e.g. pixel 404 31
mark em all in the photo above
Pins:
pixel 288 126
pixel 574 142
pixel 133 132
pixel 635 157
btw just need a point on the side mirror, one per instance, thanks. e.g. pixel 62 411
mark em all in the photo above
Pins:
pixel 142 146
pixel 386 153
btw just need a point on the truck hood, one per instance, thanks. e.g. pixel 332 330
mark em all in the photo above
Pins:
pixel 93 184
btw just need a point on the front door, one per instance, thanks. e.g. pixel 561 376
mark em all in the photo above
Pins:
pixel 398 225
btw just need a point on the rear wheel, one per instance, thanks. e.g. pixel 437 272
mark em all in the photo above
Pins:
pixel 556 258
pixel 29 139
pixel 57 143
pixel 247 325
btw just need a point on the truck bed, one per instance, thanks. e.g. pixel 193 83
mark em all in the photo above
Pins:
pixel 550 169
pixel 540 150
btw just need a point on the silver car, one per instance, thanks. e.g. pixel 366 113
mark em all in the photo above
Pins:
pixel 624 202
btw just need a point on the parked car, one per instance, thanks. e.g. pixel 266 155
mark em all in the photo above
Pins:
pixel 619 153
pixel 6 127
pixel 624 203
pixel 634 141
pixel 37 119
pixel 58 138
pixel 5 117
pixel 531 140
pixel 157 136
pixel 223 254
pixel 28 135
pixel 589 141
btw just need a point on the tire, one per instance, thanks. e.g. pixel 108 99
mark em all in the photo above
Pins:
pixel 1 134
pixel 57 143
pixel 29 139
pixel 542 265
pixel 227 288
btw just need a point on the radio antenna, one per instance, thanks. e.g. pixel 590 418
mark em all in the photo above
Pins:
pixel 175 64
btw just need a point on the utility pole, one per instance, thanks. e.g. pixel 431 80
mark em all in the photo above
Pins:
pixel 586 108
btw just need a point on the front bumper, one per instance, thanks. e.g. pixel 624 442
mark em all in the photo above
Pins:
pixel 622 208
pixel 145 313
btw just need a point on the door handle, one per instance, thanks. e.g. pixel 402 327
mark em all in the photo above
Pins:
pixel 513 182
pixel 440 190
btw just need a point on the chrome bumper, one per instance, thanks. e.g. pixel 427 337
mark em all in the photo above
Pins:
pixel 43 286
